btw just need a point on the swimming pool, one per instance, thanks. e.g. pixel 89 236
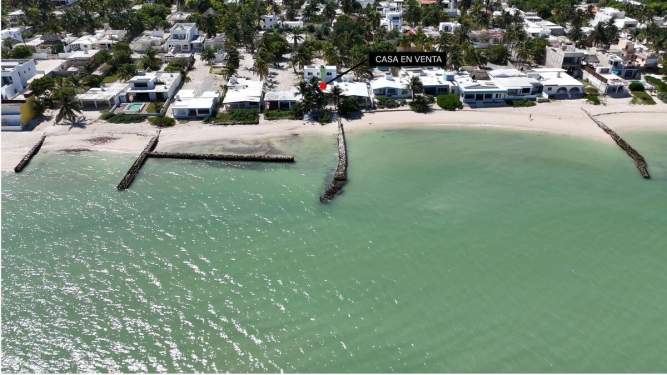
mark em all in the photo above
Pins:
pixel 134 107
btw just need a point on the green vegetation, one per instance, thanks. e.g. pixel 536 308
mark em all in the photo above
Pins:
pixel 640 97
pixel 162 121
pixel 348 107
pixel 384 102
pixel 523 103
pixel 122 118
pixel 237 117
pixel 660 86
pixel 450 102
pixel 281 115
pixel 592 95
pixel 421 104
pixel 18 52
pixel 110 78
pixel 154 107
pixel 314 100
pixel 636 86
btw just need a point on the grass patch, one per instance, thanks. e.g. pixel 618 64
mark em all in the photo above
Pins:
pixel 279 115
pixel 658 84
pixel 640 97
pixel 110 79
pixel 121 119
pixel 523 103
pixel 592 95
pixel 154 107
pixel 237 117
pixel 384 102
pixel 162 122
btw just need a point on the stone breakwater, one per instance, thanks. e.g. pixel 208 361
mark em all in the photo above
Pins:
pixel 340 175
pixel 224 157
pixel 638 159
pixel 31 153
pixel 138 163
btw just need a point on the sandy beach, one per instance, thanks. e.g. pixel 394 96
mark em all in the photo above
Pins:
pixel 560 117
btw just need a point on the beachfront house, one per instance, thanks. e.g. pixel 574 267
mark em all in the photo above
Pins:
pixel 391 87
pixel 188 106
pixel 435 81
pixel 482 93
pixel 519 86
pixel 105 97
pixel 356 90
pixel 282 100
pixel 185 37
pixel 149 39
pixel 557 83
pixel 322 72
pixel 153 87
pixel 243 94
pixel 606 82
pixel 16 76
pixel 565 56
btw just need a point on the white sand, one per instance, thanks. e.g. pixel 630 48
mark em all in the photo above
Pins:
pixel 561 117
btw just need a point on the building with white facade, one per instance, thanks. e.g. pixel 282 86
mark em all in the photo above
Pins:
pixel 448 27
pixel 518 85
pixel 607 14
pixel 269 21
pixel 356 90
pixel 243 94
pixel 392 21
pixel 16 75
pixel 185 37
pixel 557 83
pixel 565 56
pixel 322 72
pixel 102 39
pixel 435 81
pixel 282 100
pixel 149 39
pixel 103 97
pixel 13 33
pixel 480 93
pixel 606 82
pixel 153 87
pixel 187 105
pixel 391 87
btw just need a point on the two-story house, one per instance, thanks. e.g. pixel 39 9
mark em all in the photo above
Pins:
pixel 16 75
pixel 185 37
pixel 153 86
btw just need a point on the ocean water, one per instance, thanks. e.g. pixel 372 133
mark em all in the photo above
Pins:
pixel 450 250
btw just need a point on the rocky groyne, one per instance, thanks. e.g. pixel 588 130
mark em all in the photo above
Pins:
pixel 31 153
pixel 340 175
pixel 138 163
pixel 225 157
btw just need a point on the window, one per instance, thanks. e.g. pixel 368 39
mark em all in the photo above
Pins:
pixel 488 96
pixel 525 90
pixel 328 74
pixel 470 96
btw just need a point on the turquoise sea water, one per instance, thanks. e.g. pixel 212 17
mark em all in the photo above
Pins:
pixel 450 250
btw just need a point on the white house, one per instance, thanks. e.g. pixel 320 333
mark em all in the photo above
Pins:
pixel 557 83
pixel 605 81
pixel 177 17
pixel 518 85
pixel 13 33
pixel 322 72
pixel 102 39
pixel 281 100
pixel 15 76
pixel 106 96
pixel 392 21
pixel 243 94
pixel 292 24
pixel 448 27
pixel 187 105
pixel 153 86
pixel 356 90
pixel 269 21
pixel 435 81
pixel 149 39
pixel 391 87
pixel 479 93
pixel 565 56
pixel 618 16
pixel 185 37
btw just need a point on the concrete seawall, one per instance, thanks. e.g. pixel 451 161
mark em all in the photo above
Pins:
pixel 638 159
pixel 340 175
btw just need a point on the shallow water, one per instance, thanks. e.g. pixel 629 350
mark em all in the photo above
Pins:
pixel 450 250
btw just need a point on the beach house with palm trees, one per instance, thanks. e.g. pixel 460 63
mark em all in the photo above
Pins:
pixel 243 94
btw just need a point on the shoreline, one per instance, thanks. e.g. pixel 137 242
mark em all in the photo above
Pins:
pixel 563 118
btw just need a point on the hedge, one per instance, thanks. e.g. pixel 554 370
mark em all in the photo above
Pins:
pixel 449 102
pixel 162 122
pixel 237 117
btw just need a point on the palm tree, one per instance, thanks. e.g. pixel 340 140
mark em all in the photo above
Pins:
pixel 300 58
pixel 296 37
pixel 208 55
pixel 261 67
pixel 336 94
pixel 445 42
pixel 415 85
pixel 150 60
pixel 126 71
pixel 69 108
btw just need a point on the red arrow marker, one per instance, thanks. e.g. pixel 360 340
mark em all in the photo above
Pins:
pixel 323 86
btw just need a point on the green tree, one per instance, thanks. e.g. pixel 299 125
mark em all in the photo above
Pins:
pixel 126 71
pixel 69 108
pixel 415 85
pixel 208 55
pixel 150 60
pixel 412 12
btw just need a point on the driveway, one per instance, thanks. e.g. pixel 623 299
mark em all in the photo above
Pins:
pixel 200 78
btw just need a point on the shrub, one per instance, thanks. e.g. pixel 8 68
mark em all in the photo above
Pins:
pixel 278 115
pixel 325 116
pixel 523 103
pixel 449 102
pixel 162 121
pixel 659 85
pixel 125 119
pixel 640 97
pixel 154 107
pixel 105 115
pixel 348 106
pixel 237 117
pixel 420 104
pixel 636 86
pixel 662 95
pixel 384 102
